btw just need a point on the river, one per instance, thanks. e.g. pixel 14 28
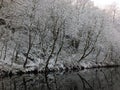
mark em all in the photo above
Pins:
pixel 90 79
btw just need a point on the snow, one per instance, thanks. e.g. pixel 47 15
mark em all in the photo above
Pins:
pixel 80 23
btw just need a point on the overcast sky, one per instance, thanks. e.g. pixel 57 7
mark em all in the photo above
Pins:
pixel 104 3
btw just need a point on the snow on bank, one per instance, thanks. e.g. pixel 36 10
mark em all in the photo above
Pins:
pixel 39 65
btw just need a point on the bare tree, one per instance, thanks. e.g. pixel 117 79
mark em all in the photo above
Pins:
pixel 30 31
pixel 89 45
pixel 56 31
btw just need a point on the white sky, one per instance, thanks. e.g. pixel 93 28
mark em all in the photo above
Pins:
pixel 104 3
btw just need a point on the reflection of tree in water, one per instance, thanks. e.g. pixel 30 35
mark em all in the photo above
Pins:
pixel 85 82
pixel 47 82
pixel 104 79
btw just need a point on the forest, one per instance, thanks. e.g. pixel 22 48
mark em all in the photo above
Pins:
pixel 56 35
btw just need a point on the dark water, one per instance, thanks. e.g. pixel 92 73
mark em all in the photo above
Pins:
pixel 92 79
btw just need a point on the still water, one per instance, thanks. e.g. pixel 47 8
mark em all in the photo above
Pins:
pixel 91 79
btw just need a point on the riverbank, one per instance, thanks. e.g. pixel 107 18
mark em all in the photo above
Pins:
pixel 6 73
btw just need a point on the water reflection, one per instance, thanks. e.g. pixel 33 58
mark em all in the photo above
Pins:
pixel 92 79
